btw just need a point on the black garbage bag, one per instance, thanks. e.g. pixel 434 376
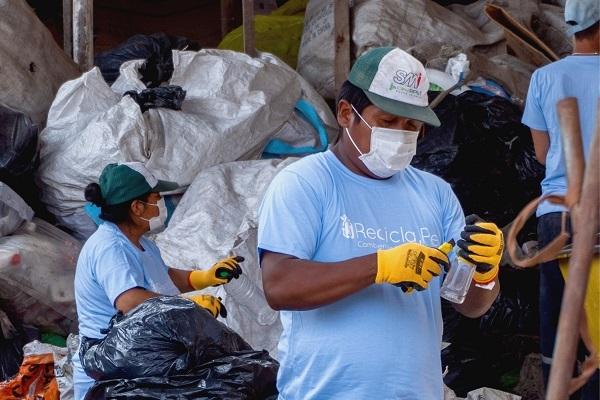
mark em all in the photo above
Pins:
pixel 164 96
pixel 155 49
pixel 169 348
pixel 18 143
pixel 163 336
pixel 12 339
pixel 485 153
pixel 243 376
pixel 19 156
pixel 486 349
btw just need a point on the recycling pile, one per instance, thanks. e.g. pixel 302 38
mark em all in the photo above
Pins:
pixel 434 33
pixel 223 124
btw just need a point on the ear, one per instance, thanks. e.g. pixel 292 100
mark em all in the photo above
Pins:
pixel 137 208
pixel 345 114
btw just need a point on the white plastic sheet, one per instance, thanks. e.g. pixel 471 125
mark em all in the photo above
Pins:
pixel 217 217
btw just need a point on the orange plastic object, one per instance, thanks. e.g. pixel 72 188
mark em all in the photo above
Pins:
pixel 34 381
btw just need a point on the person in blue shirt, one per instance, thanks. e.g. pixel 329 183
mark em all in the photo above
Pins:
pixel 118 268
pixel 577 75
pixel 348 241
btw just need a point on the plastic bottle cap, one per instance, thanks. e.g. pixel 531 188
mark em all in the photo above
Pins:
pixel 15 259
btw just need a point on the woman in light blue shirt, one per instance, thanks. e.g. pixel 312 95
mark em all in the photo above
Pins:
pixel 118 268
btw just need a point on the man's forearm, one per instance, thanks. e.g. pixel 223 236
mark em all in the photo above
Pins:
pixel 478 300
pixel 295 284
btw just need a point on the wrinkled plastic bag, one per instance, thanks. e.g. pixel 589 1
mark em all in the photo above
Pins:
pixel 170 97
pixel 233 106
pixel 154 49
pixel 244 376
pixel 42 367
pixel 278 33
pixel 39 290
pixel 400 23
pixel 13 211
pixel 12 339
pixel 482 144
pixel 170 346
pixel 511 323
pixel 216 217
pixel 163 336
pixel 300 131
pixel 18 141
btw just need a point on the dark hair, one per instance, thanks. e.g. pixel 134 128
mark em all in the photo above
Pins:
pixel 588 33
pixel 115 213
pixel 353 95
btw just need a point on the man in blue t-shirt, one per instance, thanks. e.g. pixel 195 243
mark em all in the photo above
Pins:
pixel 576 76
pixel 349 239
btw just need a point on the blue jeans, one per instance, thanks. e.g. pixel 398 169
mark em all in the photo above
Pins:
pixel 551 291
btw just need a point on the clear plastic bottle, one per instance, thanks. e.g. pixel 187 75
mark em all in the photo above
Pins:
pixel 247 294
pixel 458 281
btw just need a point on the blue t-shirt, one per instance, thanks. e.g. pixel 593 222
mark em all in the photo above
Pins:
pixel 108 265
pixel 378 343
pixel 573 76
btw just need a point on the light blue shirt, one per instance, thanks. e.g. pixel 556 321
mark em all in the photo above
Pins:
pixel 108 265
pixel 378 343
pixel 573 76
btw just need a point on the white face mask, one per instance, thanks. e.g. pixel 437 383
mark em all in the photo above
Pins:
pixel 391 149
pixel 157 223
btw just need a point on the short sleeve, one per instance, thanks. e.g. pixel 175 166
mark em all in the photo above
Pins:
pixel 117 271
pixel 533 115
pixel 290 217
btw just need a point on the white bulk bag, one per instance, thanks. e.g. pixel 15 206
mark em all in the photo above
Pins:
pixel 217 217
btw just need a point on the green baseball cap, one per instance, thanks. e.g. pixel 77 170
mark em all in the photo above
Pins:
pixel 394 81
pixel 123 182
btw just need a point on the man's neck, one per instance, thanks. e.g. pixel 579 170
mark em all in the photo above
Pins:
pixel 582 47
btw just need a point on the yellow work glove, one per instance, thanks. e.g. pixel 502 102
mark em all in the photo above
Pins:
pixel 482 244
pixel 220 273
pixel 410 265
pixel 210 303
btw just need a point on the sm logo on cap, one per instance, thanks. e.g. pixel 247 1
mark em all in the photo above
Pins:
pixel 408 79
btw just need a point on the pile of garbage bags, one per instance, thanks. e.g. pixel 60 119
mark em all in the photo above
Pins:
pixel 170 346
pixel 233 106
pixel 485 153
pixel 37 267
pixel 433 34
pixel 223 124
pixel 154 49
